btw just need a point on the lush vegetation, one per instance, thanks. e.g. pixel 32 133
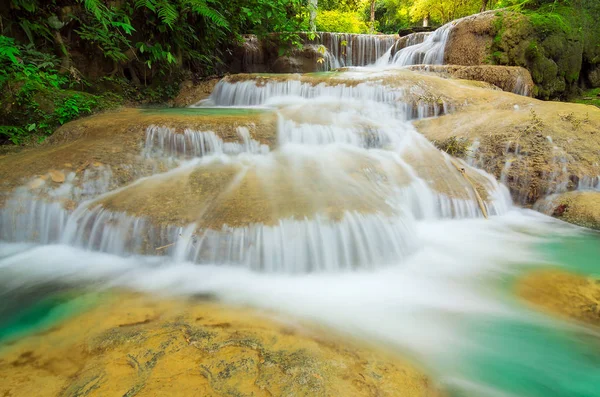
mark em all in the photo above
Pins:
pixel 341 21
pixel 558 41
pixel 60 59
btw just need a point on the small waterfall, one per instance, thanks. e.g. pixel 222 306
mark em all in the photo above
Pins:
pixel 322 52
pixel 164 141
pixel 589 183
pixel 403 42
pixel 354 49
pixel 259 91
pixel 429 51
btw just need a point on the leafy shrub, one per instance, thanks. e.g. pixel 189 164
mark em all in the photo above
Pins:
pixel 340 21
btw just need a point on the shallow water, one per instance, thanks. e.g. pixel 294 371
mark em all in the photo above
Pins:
pixel 450 306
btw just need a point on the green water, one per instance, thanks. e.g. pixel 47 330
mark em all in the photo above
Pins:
pixel 43 312
pixel 521 358
pixel 536 355
pixel 576 253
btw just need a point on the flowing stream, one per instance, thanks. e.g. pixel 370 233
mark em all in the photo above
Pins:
pixel 348 217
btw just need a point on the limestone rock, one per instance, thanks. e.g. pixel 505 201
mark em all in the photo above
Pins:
pixel 133 345
pixel 191 93
pixel 580 208
pixel 564 294
pixel 508 78
pixel 115 139
pixel 470 40
pixel 57 176
pixel 594 77
pixel 536 148
pixel 305 60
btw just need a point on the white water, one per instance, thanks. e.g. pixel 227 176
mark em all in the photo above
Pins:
pixel 164 141
pixel 346 49
pixel 430 51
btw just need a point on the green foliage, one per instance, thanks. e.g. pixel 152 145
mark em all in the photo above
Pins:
pixel 589 97
pixel 36 97
pixel 73 107
pixel 443 11
pixel 341 5
pixel 454 146
pixel 340 21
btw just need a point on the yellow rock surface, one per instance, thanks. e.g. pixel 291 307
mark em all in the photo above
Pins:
pixel 137 346
pixel 565 294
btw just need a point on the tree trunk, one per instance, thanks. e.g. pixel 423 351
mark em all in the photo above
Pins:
pixel 65 64
pixel 426 20
pixel 484 4
pixel 312 9
pixel 372 16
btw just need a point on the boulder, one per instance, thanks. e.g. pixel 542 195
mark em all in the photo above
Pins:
pixel 470 40
pixel 551 46
pixel 191 92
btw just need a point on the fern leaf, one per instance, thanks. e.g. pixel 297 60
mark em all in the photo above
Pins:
pixel 201 8
pixel 167 12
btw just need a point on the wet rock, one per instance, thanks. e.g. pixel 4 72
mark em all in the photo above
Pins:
pixel 564 294
pixel 306 60
pixel 508 137
pixel 191 93
pixel 57 176
pixel 580 208
pixel 133 345
pixel 508 78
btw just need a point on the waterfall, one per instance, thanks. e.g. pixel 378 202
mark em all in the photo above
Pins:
pixel 258 91
pixel 349 49
pixel 164 141
pixel 348 178
pixel 322 52
pixel 429 51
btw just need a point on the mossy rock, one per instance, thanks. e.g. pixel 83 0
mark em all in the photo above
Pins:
pixel 555 45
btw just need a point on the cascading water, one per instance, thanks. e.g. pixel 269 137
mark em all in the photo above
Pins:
pixel 347 216
pixel 348 49
pixel 430 51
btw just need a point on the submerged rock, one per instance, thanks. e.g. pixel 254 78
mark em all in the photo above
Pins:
pixel 580 208
pixel 565 294
pixel 134 345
